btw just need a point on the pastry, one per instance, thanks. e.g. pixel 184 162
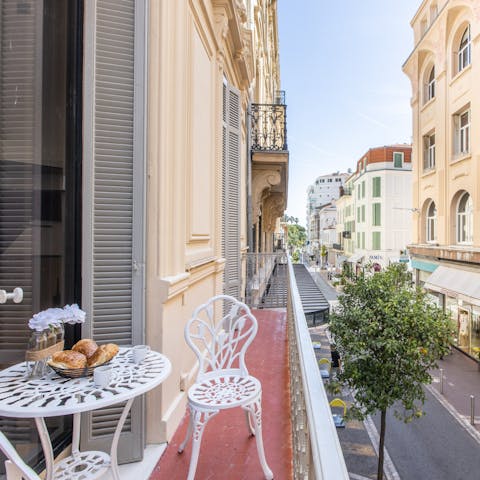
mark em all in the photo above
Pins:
pixel 104 353
pixel 68 359
pixel 86 346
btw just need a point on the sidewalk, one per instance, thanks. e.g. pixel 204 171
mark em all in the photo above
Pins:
pixel 461 378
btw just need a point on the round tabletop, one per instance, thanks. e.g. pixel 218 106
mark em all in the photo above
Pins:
pixel 53 395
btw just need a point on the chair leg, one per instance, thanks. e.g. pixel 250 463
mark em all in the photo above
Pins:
pixel 255 411
pixel 249 423
pixel 181 448
pixel 199 421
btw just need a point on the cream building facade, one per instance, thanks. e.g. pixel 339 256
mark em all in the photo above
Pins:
pixel 325 189
pixel 345 245
pixel 444 68
pixel 382 189
pixel 144 167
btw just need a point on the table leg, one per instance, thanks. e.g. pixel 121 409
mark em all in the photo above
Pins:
pixel 76 434
pixel 46 446
pixel 116 437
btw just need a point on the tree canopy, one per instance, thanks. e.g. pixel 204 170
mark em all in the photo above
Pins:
pixel 296 239
pixel 390 337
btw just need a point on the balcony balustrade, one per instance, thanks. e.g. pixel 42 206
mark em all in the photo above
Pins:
pixel 269 127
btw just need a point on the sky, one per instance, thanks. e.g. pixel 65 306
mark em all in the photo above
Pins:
pixel 341 67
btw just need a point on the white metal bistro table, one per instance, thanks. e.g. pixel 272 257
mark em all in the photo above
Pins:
pixel 53 396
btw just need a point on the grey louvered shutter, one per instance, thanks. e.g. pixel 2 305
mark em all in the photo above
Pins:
pixel 231 190
pixel 114 184
pixel 20 153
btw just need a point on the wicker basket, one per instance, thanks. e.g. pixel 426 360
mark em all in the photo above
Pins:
pixel 75 372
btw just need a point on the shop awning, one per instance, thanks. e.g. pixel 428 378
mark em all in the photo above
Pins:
pixel 455 281
pixel 355 258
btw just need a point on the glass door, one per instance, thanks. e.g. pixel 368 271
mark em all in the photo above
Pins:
pixel 40 165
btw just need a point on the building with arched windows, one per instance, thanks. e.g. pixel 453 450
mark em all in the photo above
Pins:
pixel 443 68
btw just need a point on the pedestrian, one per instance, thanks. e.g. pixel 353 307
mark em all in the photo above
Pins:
pixel 336 361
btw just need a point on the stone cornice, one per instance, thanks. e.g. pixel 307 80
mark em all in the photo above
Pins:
pixel 232 36
pixel 447 252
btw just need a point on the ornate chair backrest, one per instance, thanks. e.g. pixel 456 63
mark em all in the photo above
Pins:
pixel 17 465
pixel 219 332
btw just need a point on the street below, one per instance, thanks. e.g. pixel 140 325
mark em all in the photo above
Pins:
pixel 433 447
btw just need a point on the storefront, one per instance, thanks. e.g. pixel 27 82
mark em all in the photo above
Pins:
pixel 458 291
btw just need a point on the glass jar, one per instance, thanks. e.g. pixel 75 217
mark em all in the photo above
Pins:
pixel 51 335
pixel 60 332
pixel 37 342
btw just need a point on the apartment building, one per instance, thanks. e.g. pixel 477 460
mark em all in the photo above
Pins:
pixel 381 202
pixel 325 189
pixel 130 182
pixel 444 68
pixel 324 231
pixel 344 246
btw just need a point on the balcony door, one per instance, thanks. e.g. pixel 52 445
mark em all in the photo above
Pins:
pixel 40 180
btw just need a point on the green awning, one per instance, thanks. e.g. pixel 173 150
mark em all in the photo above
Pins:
pixel 425 266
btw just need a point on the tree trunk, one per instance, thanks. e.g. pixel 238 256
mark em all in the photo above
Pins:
pixel 382 443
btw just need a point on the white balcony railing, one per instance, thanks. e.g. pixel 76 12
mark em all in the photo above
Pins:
pixel 317 453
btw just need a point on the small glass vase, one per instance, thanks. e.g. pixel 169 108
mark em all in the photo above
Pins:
pixel 38 341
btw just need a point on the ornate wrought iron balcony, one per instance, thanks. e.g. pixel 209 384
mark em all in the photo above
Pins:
pixel 269 126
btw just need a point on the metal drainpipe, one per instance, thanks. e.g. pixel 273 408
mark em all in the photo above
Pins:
pixel 249 181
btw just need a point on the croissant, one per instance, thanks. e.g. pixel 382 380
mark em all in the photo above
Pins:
pixel 86 346
pixel 103 353
pixel 68 359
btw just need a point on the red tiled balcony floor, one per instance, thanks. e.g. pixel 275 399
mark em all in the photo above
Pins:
pixel 227 450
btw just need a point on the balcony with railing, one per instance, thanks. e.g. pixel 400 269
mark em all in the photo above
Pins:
pixel 269 154
pixel 299 435
pixel 269 127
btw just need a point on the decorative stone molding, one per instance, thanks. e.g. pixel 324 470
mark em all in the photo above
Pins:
pixel 261 181
pixel 273 207
pixel 241 10
pixel 231 35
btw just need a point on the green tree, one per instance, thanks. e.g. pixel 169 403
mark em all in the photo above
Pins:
pixel 289 219
pixel 296 238
pixel 390 336
pixel 324 253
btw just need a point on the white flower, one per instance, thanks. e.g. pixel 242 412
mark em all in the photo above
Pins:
pixel 42 320
pixel 55 316
pixel 73 314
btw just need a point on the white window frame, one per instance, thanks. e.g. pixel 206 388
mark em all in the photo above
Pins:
pixel 464 50
pixel 430 85
pixel 429 151
pixel 464 215
pixel 462 133
pixel 431 223
pixel 402 157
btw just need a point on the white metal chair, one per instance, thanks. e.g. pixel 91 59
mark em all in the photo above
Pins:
pixel 222 381
pixel 15 467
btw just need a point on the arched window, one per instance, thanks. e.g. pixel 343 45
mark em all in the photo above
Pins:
pixel 432 222
pixel 465 219
pixel 464 50
pixel 430 86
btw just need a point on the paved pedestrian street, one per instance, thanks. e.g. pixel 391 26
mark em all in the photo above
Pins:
pixel 360 456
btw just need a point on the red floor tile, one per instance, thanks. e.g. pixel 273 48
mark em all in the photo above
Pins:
pixel 227 450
